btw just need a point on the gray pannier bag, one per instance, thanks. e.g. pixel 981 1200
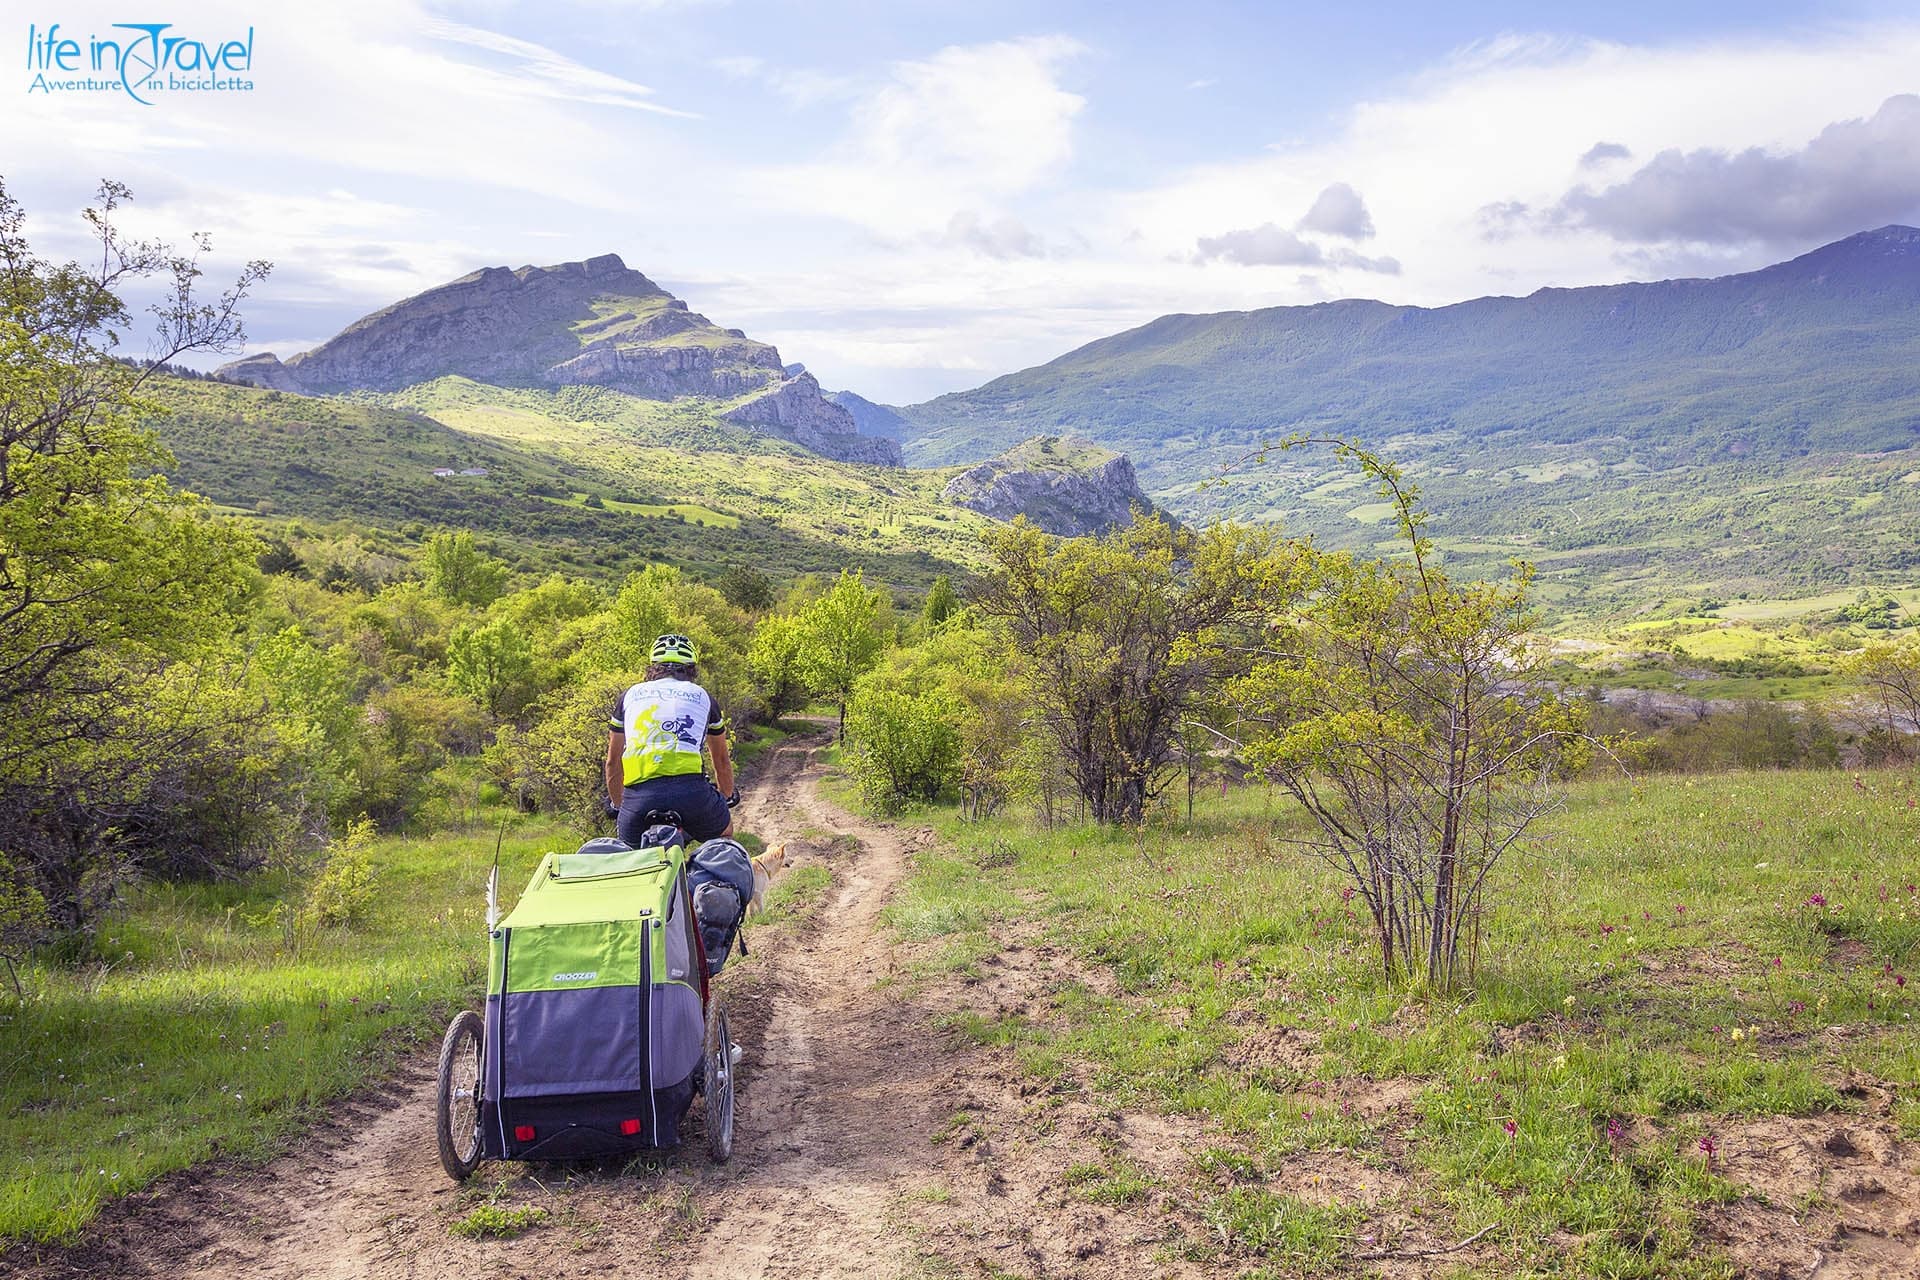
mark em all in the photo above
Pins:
pixel 721 877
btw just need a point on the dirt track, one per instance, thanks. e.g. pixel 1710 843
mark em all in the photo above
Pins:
pixel 849 1160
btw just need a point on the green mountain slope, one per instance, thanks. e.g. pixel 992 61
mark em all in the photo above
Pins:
pixel 1683 433
pixel 582 477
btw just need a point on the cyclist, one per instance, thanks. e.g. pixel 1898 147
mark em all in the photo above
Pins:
pixel 654 740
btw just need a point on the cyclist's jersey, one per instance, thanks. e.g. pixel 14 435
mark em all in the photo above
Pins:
pixel 665 722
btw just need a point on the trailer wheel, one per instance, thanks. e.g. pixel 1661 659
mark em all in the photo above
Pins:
pixel 458 1106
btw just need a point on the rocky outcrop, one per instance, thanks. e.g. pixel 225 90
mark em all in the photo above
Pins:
pixel 668 371
pixel 596 322
pixel 1066 486
pixel 592 323
pixel 795 409
pixel 492 325
pixel 263 369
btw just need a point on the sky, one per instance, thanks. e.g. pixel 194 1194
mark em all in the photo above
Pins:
pixel 914 198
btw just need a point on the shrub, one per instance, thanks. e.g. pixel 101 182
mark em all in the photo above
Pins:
pixel 23 919
pixel 902 746
pixel 342 891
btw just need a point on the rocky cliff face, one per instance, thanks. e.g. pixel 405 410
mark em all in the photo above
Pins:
pixel 596 323
pixel 796 410
pixel 1066 486
pixel 263 370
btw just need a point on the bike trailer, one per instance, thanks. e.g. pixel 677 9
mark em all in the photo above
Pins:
pixel 595 1013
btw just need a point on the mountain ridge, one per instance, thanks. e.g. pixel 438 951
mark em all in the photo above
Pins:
pixel 1751 432
pixel 1861 291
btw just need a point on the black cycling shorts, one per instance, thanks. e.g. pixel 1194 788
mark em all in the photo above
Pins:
pixel 703 810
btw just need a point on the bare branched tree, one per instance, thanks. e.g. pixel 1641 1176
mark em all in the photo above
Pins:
pixel 1403 711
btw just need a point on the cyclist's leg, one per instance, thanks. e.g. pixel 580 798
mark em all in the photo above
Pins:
pixel 706 810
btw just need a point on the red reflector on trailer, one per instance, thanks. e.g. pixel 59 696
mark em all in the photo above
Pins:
pixel 629 1127
pixel 523 1133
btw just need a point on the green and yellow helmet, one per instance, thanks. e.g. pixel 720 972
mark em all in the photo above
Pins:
pixel 675 649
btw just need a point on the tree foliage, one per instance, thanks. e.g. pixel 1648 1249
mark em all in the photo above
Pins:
pixel 942 602
pixel 1892 670
pixel 492 663
pixel 1122 638
pixel 459 572
pixel 841 636
pixel 902 745
pixel 118 593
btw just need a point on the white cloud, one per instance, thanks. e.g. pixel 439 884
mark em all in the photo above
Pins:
pixel 1266 245
pixel 798 86
pixel 968 127
pixel 998 238
pixel 539 70
pixel 1339 211
pixel 1857 174
pixel 1503 127
pixel 949 227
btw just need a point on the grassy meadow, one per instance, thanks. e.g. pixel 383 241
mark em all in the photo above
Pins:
pixel 1673 962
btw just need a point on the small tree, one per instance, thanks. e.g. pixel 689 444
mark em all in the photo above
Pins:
pixel 1892 671
pixel 116 590
pixel 459 572
pixel 773 660
pixel 745 587
pixel 1122 637
pixel 1405 713
pixel 942 602
pixel 902 746
pixel 841 638
pixel 493 665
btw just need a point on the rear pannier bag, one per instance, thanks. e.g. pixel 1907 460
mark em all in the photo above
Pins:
pixel 721 874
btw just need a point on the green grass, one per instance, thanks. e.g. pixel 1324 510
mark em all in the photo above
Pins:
pixel 492 1222
pixel 1310 1238
pixel 1623 949
pixel 1107 1182
pixel 204 1029
pixel 794 892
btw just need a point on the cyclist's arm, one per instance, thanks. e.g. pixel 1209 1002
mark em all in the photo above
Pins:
pixel 616 744
pixel 722 762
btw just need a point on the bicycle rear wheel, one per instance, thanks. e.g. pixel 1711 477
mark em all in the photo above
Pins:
pixel 457 1109
pixel 718 1070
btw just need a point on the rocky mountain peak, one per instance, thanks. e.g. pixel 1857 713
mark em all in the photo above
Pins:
pixel 1066 486
pixel 597 322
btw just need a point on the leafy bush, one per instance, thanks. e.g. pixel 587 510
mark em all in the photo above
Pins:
pixel 902 746
pixel 343 890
